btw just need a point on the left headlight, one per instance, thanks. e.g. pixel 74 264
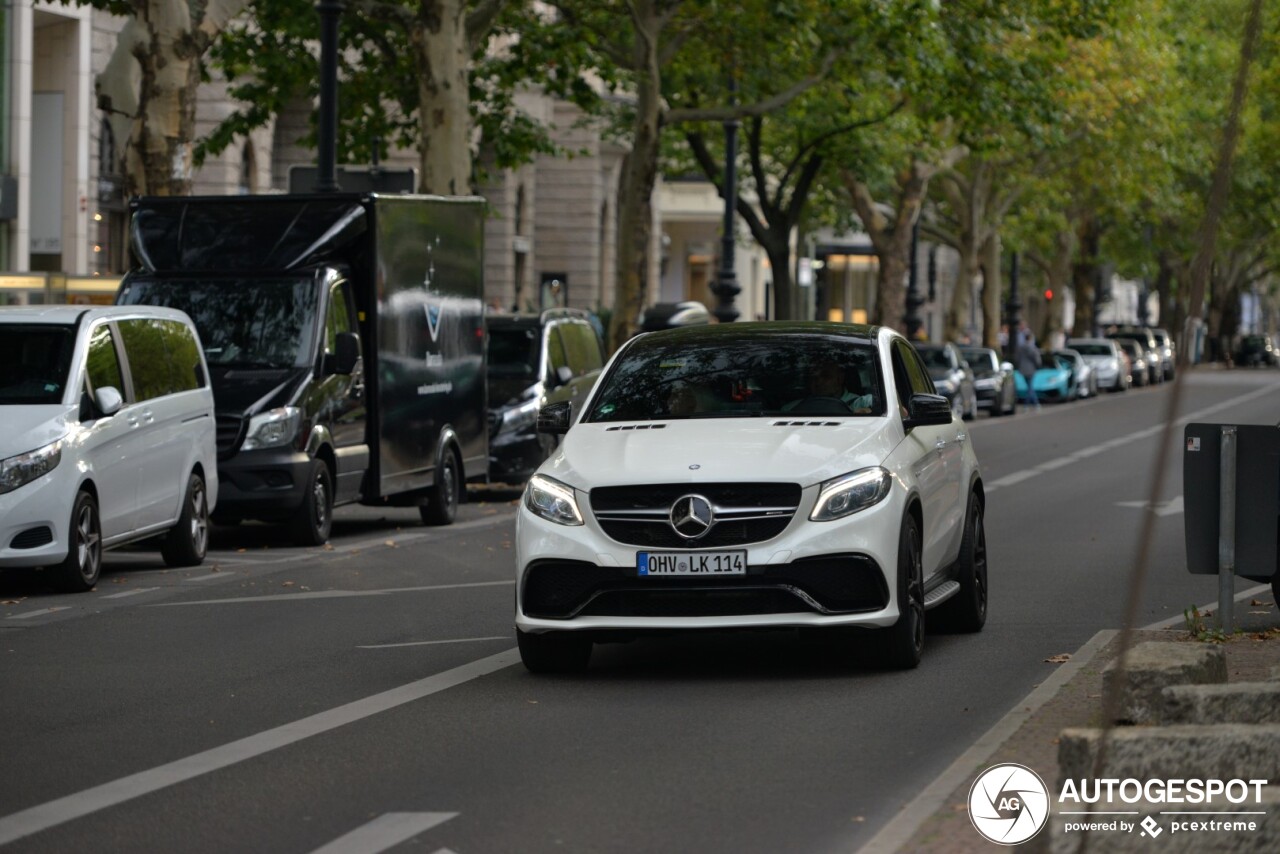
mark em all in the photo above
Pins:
pixel 520 417
pixel 20 470
pixel 552 500
pixel 846 495
pixel 272 429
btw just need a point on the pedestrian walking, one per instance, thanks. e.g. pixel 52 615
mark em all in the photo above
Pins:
pixel 1026 359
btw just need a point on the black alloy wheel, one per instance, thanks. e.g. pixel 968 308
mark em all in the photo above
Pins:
pixel 80 570
pixel 966 611
pixel 901 645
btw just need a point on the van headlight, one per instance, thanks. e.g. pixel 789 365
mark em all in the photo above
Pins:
pixel 272 429
pixel 846 495
pixel 520 417
pixel 552 500
pixel 21 469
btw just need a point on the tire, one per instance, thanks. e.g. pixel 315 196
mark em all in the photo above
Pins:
pixel 442 502
pixel 188 540
pixel 900 646
pixel 80 570
pixel 554 652
pixel 966 611
pixel 312 521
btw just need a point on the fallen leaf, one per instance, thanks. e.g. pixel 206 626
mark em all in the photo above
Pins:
pixel 241 551
pixel 11 601
pixel 1060 658
pixel 859 818
pixel 1260 612
pixel 119 580
pixel 390 544
pixel 1094 696
pixel 287 583
pixel 1259 602
pixel 328 547
pixel 533 702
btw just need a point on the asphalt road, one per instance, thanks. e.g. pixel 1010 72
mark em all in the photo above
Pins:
pixel 367 697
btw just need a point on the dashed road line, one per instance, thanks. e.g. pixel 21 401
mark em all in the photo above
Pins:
pixel 41 613
pixel 126 593
pixel 433 642
pixel 329 594
pixel 385 831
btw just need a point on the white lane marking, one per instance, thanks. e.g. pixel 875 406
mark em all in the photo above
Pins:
pixel 42 612
pixel 1165 508
pixel 434 642
pixel 56 812
pixel 383 832
pixel 125 593
pixel 1111 444
pixel 1205 609
pixel 332 594
pixel 210 577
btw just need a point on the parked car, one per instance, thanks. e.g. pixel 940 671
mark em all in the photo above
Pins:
pixel 770 504
pixel 952 377
pixel 1168 352
pixel 993 381
pixel 1256 351
pixel 109 438
pixel 535 359
pixel 1110 365
pixel 1152 353
pixel 1137 358
pixel 1083 376
pixel 1053 380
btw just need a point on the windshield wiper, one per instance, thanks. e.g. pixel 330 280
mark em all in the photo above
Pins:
pixel 246 363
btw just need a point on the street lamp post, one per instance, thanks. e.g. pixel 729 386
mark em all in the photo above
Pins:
pixel 726 287
pixel 1013 308
pixel 913 302
pixel 327 142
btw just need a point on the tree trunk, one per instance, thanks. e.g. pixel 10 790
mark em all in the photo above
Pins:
pixel 779 252
pixel 1084 274
pixel 992 253
pixel 444 108
pixel 635 206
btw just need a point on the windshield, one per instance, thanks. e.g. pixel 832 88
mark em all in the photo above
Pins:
pixel 983 362
pixel 34 363
pixel 935 357
pixel 1092 349
pixel 243 323
pixel 514 352
pixel 747 376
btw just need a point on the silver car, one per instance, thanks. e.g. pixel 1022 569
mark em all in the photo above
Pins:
pixel 1108 362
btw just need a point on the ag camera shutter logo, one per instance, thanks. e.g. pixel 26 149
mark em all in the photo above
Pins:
pixel 1008 804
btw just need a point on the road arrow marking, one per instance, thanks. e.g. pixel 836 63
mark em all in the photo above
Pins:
pixel 385 831
pixel 1171 507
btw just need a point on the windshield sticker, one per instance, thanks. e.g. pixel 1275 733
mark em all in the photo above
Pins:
pixel 606 409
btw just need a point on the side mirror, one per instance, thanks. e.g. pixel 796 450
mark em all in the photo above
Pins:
pixel 927 409
pixel 1006 366
pixel 555 418
pixel 563 375
pixel 108 400
pixel 347 355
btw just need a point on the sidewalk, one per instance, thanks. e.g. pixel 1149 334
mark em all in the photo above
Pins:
pixel 946 828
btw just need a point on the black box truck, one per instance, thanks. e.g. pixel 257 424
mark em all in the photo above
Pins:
pixel 345 338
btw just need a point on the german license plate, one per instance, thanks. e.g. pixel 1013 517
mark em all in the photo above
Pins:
pixel 691 563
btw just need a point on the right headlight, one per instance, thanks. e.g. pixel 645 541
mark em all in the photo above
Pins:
pixel 272 429
pixel 552 500
pixel 850 493
pixel 21 469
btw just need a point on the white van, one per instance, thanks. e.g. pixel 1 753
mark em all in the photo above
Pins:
pixel 107 436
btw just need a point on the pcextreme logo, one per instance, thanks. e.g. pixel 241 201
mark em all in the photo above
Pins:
pixel 1009 804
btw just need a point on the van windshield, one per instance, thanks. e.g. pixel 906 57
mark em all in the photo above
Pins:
pixel 243 323
pixel 34 363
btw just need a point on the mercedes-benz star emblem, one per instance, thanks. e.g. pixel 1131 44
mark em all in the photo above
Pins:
pixel 692 516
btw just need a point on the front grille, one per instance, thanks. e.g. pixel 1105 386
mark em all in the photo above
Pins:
pixel 32 538
pixel 230 434
pixel 831 584
pixel 745 513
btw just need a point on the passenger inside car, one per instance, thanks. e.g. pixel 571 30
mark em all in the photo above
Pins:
pixel 828 380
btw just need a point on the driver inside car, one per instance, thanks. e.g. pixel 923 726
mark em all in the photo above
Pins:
pixel 827 380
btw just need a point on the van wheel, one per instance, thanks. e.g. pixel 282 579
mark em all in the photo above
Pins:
pixel 554 652
pixel 80 569
pixel 311 522
pixel 188 540
pixel 442 501
pixel 900 646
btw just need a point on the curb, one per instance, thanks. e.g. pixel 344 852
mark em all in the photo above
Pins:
pixel 908 820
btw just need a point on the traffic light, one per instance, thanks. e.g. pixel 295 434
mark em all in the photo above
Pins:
pixel 1048 294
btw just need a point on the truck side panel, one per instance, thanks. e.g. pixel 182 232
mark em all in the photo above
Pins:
pixel 429 325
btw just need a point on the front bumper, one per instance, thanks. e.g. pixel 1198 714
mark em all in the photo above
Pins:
pixel 35 519
pixel 840 573
pixel 267 484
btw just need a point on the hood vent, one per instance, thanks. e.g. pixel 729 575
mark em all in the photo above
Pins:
pixel 635 427
pixel 806 424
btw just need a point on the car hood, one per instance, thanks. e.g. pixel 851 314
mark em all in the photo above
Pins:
pixel 720 449
pixel 29 427
pixel 250 391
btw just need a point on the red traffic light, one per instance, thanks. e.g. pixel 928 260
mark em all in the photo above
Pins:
pixel 1048 294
